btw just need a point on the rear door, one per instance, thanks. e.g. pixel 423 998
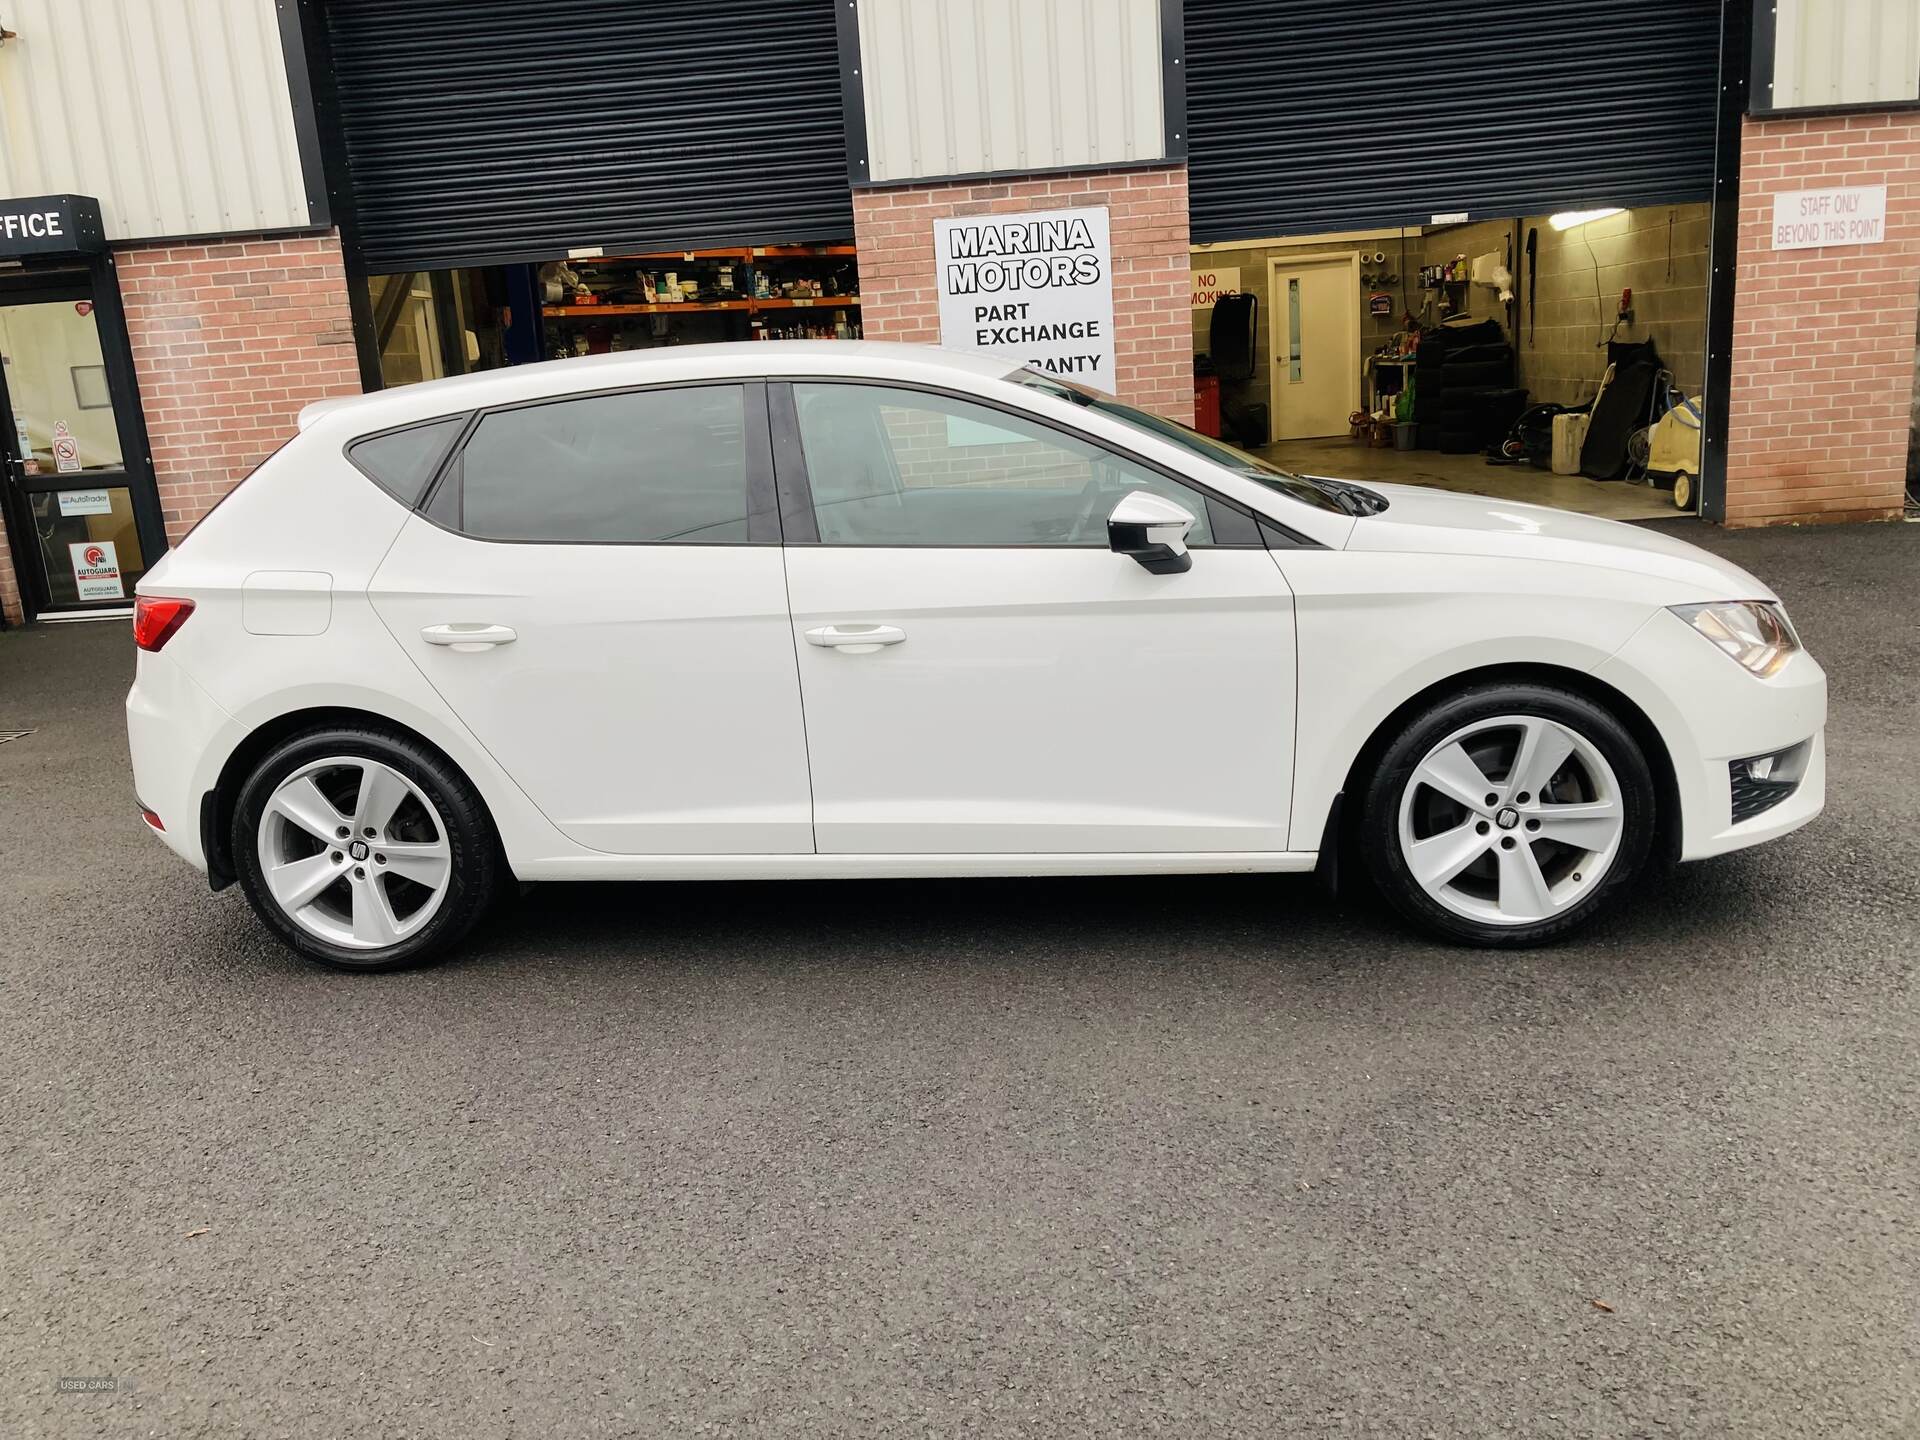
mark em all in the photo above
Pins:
pixel 596 589
pixel 982 675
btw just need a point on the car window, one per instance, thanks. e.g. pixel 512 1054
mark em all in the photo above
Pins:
pixel 401 462
pixel 645 466
pixel 1185 436
pixel 905 467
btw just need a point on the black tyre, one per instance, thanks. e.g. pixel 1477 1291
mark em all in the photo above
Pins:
pixel 1508 815
pixel 364 850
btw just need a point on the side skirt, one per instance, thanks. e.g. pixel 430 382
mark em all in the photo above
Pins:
pixel 908 867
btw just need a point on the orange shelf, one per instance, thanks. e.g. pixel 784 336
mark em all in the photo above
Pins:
pixel 704 307
pixel 812 302
pixel 689 306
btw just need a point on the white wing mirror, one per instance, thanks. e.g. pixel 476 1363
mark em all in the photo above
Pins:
pixel 1153 530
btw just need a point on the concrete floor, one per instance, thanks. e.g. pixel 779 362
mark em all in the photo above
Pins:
pixel 1138 1157
pixel 1350 460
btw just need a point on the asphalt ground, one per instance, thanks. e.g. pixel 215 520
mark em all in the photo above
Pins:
pixel 1133 1157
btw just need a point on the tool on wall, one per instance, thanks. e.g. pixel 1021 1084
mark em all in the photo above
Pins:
pixel 1533 275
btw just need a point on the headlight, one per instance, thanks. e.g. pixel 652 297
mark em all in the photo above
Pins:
pixel 1754 632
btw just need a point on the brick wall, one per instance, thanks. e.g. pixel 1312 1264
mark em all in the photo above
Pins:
pixel 9 581
pixel 1823 352
pixel 1147 210
pixel 230 339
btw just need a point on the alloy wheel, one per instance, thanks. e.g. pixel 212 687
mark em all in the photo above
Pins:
pixel 1511 820
pixel 354 852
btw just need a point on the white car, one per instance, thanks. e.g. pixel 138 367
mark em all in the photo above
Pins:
pixel 792 610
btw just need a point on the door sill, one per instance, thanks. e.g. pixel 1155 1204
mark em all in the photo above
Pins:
pixel 75 617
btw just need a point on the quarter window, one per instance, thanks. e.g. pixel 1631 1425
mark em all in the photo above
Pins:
pixel 645 466
pixel 903 467
pixel 401 462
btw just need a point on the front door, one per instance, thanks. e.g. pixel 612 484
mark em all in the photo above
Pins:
pixel 1315 362
pixel 79 503
pixel 981 675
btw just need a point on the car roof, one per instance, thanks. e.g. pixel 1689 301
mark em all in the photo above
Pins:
pixel 737 359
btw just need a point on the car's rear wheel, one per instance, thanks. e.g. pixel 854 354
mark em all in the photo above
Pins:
pixel 1508 815
pixel 364 850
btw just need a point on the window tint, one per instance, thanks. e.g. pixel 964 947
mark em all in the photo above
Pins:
pixel 901 467
pixel 650 465
pixel 403 461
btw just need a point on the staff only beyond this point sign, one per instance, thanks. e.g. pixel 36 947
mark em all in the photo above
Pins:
pixel 1036 288
pixel 1847 215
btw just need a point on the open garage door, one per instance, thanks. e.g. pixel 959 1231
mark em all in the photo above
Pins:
pixel 1319 115
pixel 487 131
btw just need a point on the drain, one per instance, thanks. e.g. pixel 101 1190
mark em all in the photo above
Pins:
pixel 6 735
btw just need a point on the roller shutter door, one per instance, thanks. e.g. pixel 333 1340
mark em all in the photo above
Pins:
pixel 1310 115
pixel 483 131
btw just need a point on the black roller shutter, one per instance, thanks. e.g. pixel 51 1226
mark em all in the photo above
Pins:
pixel 1307 115
pixel 484 131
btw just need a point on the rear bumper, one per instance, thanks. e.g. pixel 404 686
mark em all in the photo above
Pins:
pixel 1711 712
pixel 174 728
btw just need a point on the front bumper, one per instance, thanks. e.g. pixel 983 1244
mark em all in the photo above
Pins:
pixel 1711 713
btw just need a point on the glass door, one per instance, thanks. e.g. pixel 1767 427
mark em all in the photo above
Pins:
pixel 75 507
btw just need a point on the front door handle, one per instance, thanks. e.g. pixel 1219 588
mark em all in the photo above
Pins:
pixel 855 639
pixel 469 637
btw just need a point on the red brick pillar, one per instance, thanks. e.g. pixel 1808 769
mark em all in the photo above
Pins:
pixel 1823 339
pixel 1147 211
pixel 231 338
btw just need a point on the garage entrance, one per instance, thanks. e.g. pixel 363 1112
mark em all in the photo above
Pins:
pixel 1490 236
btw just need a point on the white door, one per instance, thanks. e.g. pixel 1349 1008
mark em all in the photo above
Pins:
pixel 1315 364
pixel 982 675
pixel 584 593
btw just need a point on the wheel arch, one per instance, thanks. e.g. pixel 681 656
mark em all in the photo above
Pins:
pixel 217 805
pixel 1341 831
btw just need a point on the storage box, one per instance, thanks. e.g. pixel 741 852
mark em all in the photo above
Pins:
pixel 1569 434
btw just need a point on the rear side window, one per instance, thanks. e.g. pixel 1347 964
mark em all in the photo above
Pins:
pixel 647 466
pixel 401 462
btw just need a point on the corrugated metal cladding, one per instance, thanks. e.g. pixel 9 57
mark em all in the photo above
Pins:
pixel 174 113
pixel 965 87
pixel 1845 52
pixel 1307 115
pixel 484 131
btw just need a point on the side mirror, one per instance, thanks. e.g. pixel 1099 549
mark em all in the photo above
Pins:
pixel 1153 530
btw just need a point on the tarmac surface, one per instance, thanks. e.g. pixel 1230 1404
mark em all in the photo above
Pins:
pixel 1133 1157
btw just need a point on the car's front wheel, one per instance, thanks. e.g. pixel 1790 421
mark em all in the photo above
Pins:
pixel 1508 815
pixel 364 850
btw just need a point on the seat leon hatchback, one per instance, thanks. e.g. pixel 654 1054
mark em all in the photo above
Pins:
pixel 786 611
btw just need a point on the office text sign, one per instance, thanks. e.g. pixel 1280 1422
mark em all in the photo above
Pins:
pixel 1846 215
pixel 50 225
pixel 1036 288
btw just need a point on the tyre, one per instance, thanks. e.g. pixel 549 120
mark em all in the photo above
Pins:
pixel 364 850
pixel 1508 815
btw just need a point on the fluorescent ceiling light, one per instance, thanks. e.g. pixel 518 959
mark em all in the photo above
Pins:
pixel 1567 219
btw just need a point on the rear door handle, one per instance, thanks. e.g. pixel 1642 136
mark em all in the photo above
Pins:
pixel 855 639
pixel 469 637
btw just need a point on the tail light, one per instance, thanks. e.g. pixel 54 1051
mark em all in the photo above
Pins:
pixel 156 617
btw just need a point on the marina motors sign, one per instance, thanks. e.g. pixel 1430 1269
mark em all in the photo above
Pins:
pixel 50 225
pixel 1036 288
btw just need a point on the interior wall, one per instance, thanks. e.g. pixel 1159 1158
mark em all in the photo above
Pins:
pixel 1661 252
pixel 1253 262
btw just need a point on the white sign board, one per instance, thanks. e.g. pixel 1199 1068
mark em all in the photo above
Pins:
pixel 86 502
pixel 1845 215
pixel 1036 288
pixel 96 570
pixel 66 449
pixel 1210 285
